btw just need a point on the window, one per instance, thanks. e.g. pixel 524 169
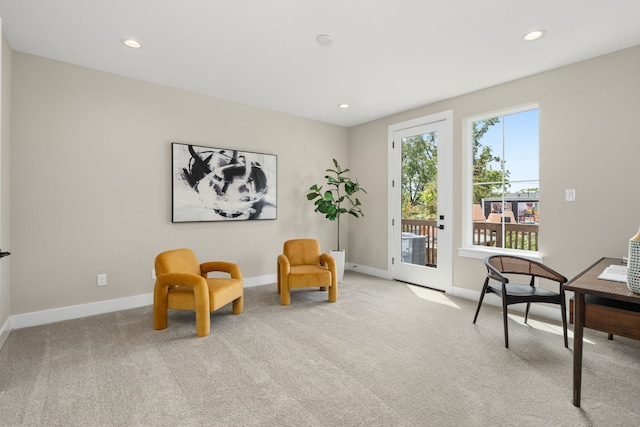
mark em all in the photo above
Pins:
pixel 503 178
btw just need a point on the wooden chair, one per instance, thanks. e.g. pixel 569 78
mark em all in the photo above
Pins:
pixel 301 265
pixel 182 284
pixel 499 265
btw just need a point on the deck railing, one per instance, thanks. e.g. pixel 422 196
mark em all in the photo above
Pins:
pixel 514 235
pixel 429 229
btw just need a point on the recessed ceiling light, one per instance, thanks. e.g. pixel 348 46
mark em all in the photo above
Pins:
pixel 324 39
pixel 343 105
pixel 534 35
pixel 133 44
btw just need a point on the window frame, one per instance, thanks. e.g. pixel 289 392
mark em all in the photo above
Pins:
pixel 468 249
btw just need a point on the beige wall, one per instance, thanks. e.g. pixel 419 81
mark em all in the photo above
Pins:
pixel 90 175
pixel 5 237
pixel 588 141
pixel 90 182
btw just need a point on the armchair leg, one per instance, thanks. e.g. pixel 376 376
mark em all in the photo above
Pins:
pixel 285 294
pixel 203 311
pixel 159 319
pixel 160 307
pixel 333 292
pixel 238 305
pixel 279 276
pixel 203 323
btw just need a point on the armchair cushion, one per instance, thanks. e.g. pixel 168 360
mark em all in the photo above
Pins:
pixel 304 276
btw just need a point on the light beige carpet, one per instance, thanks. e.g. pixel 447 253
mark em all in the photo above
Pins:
pixel 386 354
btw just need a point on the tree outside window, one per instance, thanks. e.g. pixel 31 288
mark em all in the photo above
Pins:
pixel 420 176
pixel 506 180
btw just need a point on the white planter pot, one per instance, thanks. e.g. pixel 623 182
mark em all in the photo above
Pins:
pixel 339 257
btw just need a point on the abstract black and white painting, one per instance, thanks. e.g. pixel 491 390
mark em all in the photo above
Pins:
pixel 218 184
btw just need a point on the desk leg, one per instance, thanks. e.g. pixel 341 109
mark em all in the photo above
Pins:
pixel 578 333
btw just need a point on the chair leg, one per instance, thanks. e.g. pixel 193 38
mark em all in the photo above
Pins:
pixel 238 305
pixel 160 318
pixel 285 294
pixel 526 312
pixel 203 322
pixel 333 292
pixel 279 278
pixel 482 293
pixel 563 307
pixel 202 309
pixel 506 327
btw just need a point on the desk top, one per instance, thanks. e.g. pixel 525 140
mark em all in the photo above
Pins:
pixel 587 282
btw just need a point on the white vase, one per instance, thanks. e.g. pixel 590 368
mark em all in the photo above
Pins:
pixel 339 257
pixel 633 269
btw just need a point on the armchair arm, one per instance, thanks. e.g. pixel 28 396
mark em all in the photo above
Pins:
pixel 160 295
pixel 181 279
pixel 200 295
pixel 328 261
pixel 284 266
pixel 227 267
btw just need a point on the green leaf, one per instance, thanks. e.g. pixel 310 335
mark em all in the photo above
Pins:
pixel 329 202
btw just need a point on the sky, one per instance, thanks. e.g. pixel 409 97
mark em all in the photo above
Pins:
pixel 521 147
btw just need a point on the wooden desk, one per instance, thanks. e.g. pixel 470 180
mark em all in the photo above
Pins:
pixel 611 308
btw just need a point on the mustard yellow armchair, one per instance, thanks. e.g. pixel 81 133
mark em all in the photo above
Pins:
pixel 182 284
pixel 301 265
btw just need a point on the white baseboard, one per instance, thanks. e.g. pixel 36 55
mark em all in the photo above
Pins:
pixel 43 317
pixel 18 321
pixel 383 274
pixel 548 311
pixel 35 318
pixel 4 332
pixel 260 280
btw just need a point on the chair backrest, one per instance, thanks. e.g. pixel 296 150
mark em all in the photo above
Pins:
pixel 509 264
pixel 302 251
pixel 177 261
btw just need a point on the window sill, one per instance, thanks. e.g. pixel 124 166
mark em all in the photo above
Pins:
pixel 481 252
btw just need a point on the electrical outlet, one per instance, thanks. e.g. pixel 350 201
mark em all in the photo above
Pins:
pixel 153 274
pixel 102 280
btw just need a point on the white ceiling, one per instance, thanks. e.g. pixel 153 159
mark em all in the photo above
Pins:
pixel 386 56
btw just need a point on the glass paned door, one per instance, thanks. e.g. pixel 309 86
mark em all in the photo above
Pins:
pixel 421 200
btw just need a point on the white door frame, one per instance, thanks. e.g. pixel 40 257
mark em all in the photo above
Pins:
pixel 445 200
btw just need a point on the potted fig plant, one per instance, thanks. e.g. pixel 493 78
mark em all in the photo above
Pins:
pixel 339 198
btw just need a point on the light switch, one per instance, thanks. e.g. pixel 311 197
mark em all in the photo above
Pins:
pixel 570 195
pixel 102 280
